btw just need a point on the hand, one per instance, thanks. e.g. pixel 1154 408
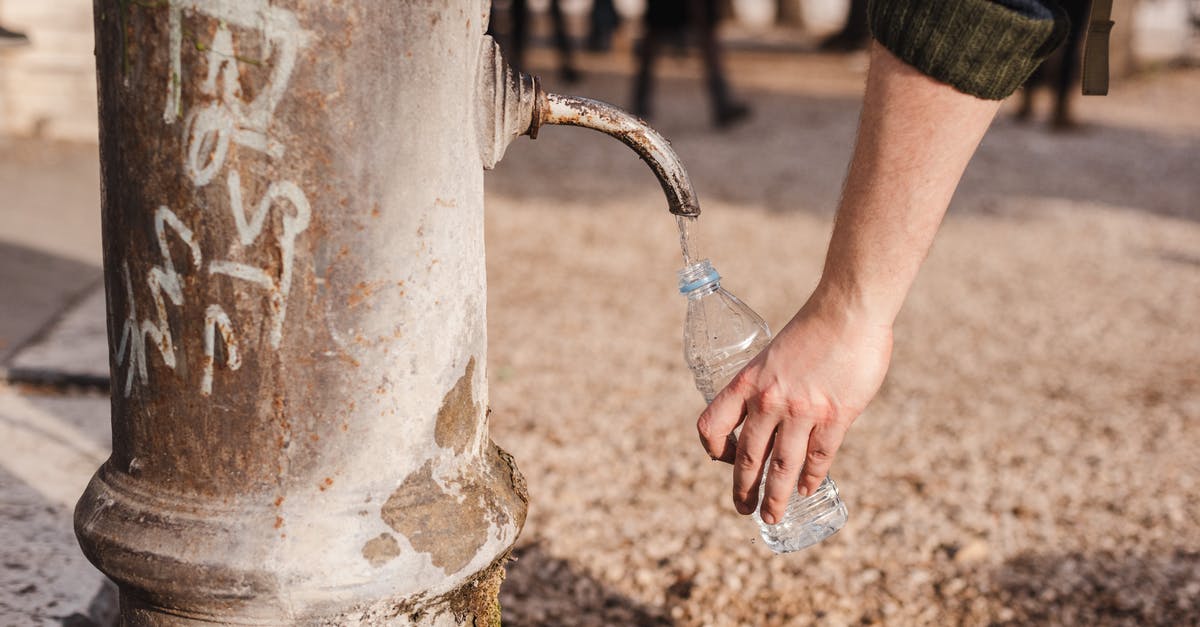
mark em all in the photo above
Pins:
pixel 795 401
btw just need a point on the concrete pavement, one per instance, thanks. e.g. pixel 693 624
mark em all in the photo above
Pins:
pixel 52 445
pixel 51 332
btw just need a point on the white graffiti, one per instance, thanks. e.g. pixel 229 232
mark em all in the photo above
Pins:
pixel 165 280
pixel 132 345
pixel 161 280
pixel 217 321
pixel 284 38
pixel 229 118
pixel 248 232
pixel 207 133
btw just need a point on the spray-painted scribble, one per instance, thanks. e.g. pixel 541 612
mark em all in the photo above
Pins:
pixel 217 321
pixel 284 39
pixel 248 231
pixel 208 131
pixel 131 345
pixel 162 280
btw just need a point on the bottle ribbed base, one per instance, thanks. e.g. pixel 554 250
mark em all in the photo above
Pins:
pixel 806 521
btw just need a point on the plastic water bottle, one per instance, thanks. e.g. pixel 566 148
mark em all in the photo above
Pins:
pixel 720 335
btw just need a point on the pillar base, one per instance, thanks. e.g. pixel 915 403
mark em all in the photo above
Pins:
pixel 472 604
pixel 163 554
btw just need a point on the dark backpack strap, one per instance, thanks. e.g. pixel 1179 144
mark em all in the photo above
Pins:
pixel 1095 49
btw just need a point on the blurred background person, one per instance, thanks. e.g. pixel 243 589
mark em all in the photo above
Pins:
pixel 602 25
pixel 671 19
pixel 854 34
pixel 518 38
pixel 1059 73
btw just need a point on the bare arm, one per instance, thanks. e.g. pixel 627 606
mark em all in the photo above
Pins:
pixel 800 395
pixel 914 141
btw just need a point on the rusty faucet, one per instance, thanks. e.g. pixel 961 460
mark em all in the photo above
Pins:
pixel 519 106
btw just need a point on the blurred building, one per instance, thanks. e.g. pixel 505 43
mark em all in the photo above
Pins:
pixel 48 88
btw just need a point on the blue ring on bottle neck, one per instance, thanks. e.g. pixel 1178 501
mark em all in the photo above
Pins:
pixel 709 278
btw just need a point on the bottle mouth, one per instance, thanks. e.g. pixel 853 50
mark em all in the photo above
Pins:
pixel 696 276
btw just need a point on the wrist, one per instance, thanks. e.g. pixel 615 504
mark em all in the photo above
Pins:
pixel 853 303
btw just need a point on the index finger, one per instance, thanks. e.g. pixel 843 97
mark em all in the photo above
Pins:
pixel 717 422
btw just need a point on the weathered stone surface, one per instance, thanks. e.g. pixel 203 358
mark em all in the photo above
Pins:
pixel 459 418
pixel 381 550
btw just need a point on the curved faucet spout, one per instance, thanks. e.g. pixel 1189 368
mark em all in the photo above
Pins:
pixel 652 147
pixel 511 104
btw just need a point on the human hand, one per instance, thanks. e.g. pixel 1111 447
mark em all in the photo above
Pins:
pixel 795 401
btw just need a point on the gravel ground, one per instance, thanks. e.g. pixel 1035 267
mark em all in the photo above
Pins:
pixel 1031 458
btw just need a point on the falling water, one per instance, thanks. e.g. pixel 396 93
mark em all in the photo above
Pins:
pixel 688 241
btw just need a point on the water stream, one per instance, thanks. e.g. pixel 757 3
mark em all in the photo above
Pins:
pixel 688 241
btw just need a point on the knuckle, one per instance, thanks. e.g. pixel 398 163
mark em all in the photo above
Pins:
pixel 799 407
pixel 822 412
pixel 746 460
pixel 820 456
pixel 772 396
pixel 742 384
pixel 781 466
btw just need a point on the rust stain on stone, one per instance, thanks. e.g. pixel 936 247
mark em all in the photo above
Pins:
pixel 451 524
pixel 451 528
pixel 381 550
pixel 513 493
pixel 458 418
pixel 363 291
pixel 435 522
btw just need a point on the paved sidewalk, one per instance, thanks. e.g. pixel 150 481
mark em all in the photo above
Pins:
pixel 52 445
pixel 51 332
pixel 49 235
pixel 71 350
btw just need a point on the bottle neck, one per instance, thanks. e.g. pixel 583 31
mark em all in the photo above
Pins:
pixel 699 279
pixel 703 290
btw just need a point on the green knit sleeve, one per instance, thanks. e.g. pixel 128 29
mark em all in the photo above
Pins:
pixel 979 47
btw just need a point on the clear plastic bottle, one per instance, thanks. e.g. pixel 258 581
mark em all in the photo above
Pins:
pixel 721 334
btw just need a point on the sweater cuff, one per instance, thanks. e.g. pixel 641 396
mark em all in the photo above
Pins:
pixel 978 47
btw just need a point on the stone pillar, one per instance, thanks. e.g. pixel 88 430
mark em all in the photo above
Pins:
pixel 293 243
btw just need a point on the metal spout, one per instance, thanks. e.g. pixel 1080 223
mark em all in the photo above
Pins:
pixel 634 132
pixel 512 103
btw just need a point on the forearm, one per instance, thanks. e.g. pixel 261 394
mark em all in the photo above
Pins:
pixel 915 138
pixel 797 398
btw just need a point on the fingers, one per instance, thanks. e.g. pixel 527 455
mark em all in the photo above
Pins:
pixel 783 469
pixel 753 443
pixel 717 422
pixel 822 445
